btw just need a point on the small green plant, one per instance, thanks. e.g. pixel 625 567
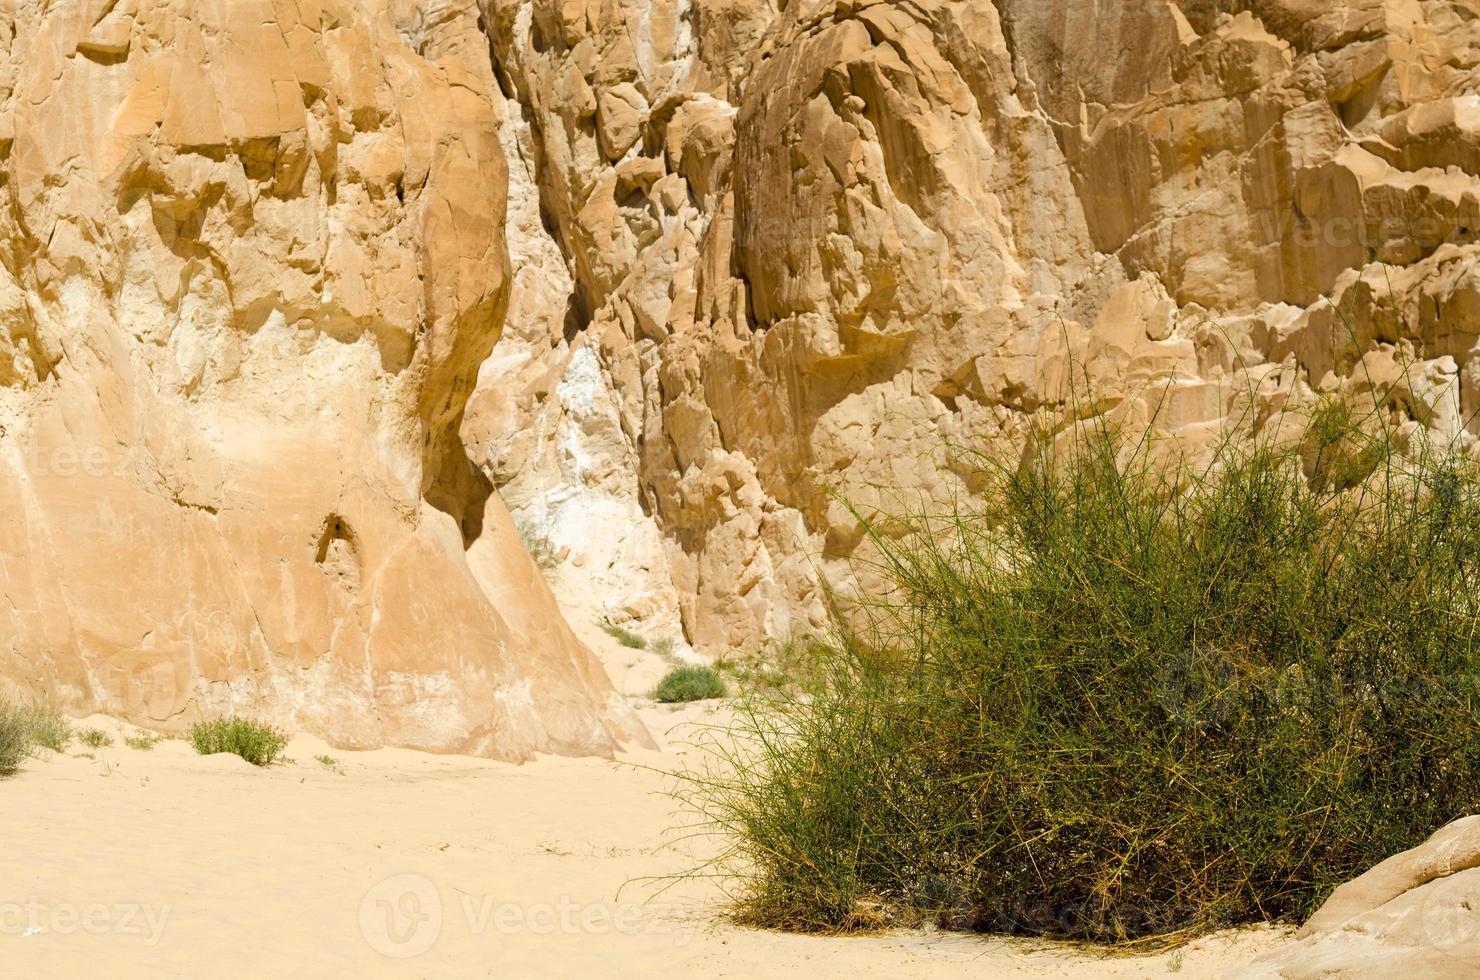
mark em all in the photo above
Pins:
pixel 95 738
pixel 46 726
pixel 330 763
pixel 15 738
pixel 144 741
pixel 664 646
pixel 537 542
pixel 690 684
pixel 754 675
pixel 625 637
pixel 258 743
pixel 780 668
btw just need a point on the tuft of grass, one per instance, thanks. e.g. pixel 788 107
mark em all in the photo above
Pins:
pixel 15 738
pixel 1127 696
pixel 329 762
pixel 625 637
pixel 47 728
pixel 690 684
pixel 258 743
pixel 144 741
pixel 25 728
pixel 95 738
pixel 537 542
pixel 790 666
pixel 664 646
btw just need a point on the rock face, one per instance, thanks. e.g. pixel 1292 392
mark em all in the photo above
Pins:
pixel 766 257
pixel 1417 914
pixel 783 253
pixel 251 257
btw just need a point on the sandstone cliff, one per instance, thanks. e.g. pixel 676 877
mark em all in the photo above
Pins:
pixel 746 256
pixel 251 257
pixel 777 251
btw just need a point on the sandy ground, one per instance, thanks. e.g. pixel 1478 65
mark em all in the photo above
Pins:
pixel 394 863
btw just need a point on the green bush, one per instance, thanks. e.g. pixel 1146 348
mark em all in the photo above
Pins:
pixel 143 741
pixel 690 684
pixel 254 741
pixel 1128 699
pixel 26 727
pixel 537 542
pixel 625 637
pixel 46 727
pixel 15 738
pixel 788 666
pixel 95 738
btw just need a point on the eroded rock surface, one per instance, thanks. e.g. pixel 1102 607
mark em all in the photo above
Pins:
pixel 251 257
pixel 1417 914
pixel 809 243
pixel 766 257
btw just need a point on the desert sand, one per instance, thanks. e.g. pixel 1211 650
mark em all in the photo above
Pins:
pixel 407 864
pixel 165 863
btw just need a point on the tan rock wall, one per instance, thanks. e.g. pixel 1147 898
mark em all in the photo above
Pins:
pixel 257 254
pixel 849 232
pixel 253 256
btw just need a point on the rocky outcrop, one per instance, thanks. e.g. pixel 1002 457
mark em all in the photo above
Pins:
pixel 1417 914
pixel 805 246
pixel 252 256
pixel 768 259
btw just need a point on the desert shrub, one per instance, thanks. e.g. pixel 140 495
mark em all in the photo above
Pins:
pixel 254 741
pixel 1125 698
pixel 24 728
pixel 788 666
pixel 46 726
pixel 15 738
pixel 625 637
pixel 664 646
pixel 696 683
pixel 537 542
pixel 143 741
pixel 95 738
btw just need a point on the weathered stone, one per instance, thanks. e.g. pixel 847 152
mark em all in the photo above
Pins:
pixel 859 230
pixel 619 119
pixel 1416 914
pixel 253 258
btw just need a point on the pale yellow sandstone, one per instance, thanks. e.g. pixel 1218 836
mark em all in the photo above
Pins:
pixel 254 257
pixel 857 231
